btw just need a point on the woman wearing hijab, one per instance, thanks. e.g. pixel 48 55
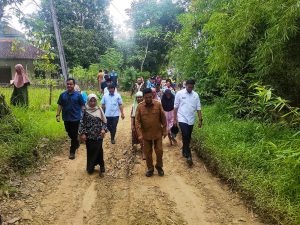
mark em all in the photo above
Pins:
pixel 138 99
pixel 21 81
pixel 167 102
pixel 92 130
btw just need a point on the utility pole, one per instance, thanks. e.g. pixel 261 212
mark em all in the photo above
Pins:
pixel 59 41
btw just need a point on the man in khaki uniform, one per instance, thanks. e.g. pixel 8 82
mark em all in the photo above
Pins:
pixel 151 126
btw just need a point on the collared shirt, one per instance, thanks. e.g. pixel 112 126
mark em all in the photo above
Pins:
pixel 107 91
pixel 71 104
pixel 187 104
pixel 112 104
pixel 150 121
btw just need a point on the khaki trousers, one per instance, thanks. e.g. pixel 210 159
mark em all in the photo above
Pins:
pixel 148 150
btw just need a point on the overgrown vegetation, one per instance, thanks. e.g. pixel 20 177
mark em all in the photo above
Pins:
pixel 235 48
pixel 25 142
pixel 245 54
pixel 259 159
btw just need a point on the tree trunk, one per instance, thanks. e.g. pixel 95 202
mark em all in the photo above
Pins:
pixel 146 52
pixel 4 108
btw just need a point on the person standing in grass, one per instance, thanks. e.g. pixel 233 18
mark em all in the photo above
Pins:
pixel 187 102
pixel 151 126
pixel 92 130
pixel 21 81
pixel 112 105
pixel 71 104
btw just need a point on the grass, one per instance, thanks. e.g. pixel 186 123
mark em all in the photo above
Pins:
pixel 261 160
pixel 35 133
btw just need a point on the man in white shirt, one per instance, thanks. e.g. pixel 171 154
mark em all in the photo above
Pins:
pixel 112 105
pixel 187 102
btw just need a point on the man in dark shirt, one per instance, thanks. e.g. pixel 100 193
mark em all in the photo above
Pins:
pixel 151 126
pixel 71 104
pixel 105 83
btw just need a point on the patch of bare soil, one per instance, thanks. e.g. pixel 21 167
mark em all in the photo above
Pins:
pixel 63 193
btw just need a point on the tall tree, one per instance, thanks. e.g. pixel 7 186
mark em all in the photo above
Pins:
pixel 154 21
pixel 85 28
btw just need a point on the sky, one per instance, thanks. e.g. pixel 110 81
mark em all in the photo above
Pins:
pixel 116 9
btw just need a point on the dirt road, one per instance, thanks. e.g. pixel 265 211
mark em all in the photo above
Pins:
pixel 63 193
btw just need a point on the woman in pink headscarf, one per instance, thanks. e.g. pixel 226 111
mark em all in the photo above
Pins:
pixel 21 81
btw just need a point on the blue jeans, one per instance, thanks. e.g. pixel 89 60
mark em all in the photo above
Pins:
pixel 112 123
pixel 186 131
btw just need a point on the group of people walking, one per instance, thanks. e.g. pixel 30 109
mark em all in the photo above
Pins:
pixel 157 112
pixel 152 119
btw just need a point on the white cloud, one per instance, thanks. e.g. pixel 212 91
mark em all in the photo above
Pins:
pixel 116 9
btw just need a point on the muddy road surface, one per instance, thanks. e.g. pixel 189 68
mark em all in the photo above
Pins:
pixel 63 193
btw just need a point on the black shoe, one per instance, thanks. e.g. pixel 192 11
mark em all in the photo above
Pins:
pixel 102 169
pixel 72 156
pixel 149 173
pixel 189 161
pixel 113 141
pixel 90 171
pixel 101 174
pixel 160 171
pixel 184 154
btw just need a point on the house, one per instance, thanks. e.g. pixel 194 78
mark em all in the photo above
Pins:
pixel 14 49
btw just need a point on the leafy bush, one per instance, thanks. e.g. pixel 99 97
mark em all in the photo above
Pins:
pixel 129 76
pixel 127 79
pixel 261 103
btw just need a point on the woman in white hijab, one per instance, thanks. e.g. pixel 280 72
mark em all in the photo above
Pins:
pixel 92 130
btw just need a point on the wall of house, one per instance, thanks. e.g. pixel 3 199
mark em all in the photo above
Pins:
pixel 27 64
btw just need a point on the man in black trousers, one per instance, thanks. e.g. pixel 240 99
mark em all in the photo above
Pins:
pixel 71 104
pixel 187 103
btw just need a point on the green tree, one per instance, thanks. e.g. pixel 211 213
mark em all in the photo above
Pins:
pixel 153 21
pixel 112 59
pixel 85 28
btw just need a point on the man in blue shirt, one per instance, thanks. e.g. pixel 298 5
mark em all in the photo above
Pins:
pixel 151 82
pixel 71 104
pixel 112 105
